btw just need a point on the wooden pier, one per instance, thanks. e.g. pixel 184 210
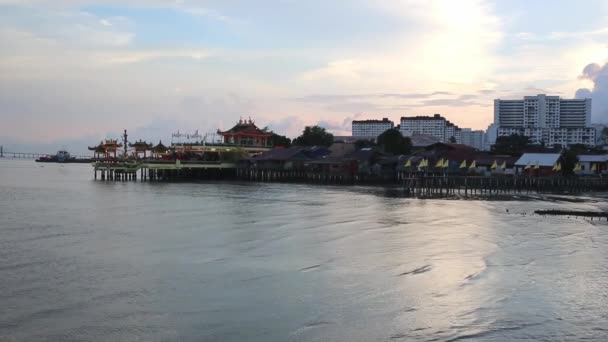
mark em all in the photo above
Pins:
pixel 160 170
pixel 499 185
pixel 423 184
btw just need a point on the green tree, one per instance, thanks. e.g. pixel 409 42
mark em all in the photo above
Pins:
pixel 391 141
pixel 362 143
pixel 280 140
pixel 513 144
pixel 569 160
pixel 277 139
pixel 314 136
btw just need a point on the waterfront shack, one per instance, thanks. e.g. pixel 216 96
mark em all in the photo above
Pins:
pixel 538 164
pixel 592 164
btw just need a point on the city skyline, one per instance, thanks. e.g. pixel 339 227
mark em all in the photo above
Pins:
pixel 82 70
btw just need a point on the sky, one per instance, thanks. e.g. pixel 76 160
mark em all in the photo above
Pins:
pixel 75 71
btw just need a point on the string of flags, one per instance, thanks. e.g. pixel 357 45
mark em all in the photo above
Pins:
pixel 502 166
pixel 442 163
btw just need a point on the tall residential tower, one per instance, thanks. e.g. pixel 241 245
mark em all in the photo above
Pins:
pixel 546 119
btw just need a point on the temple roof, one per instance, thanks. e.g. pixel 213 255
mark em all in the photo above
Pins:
pixel 104 146
pixel 140 144
pixel 246 127
pixel 98 149
pixel 160 148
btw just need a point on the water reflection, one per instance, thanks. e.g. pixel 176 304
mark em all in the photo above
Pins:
pixel 84 260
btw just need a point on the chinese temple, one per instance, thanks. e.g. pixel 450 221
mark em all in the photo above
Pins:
pixel 107 148
pixel 245 136
pixel 140 146
pixel 159 149
pixel 246 133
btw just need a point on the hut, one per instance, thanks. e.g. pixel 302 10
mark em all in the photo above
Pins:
pixel 537 164
pixel 592 164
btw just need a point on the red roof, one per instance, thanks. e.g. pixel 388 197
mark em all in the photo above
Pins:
pixel 244 128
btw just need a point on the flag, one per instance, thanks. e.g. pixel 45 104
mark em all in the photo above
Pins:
pixel 537 166
pixel 439 163
pixel 554 167
pixel 421 165
pixel 463 165
pixel 446 164
pixel 593 167
pixel 473 165
pixel 559 167
pixel 494 165
pixel 578 167
pixel 503 165
pixel 527 166
pixel 408 163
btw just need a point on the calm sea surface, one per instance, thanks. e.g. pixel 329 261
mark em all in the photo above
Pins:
pixel 84 260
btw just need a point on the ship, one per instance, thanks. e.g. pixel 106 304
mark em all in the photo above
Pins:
pixel 62 157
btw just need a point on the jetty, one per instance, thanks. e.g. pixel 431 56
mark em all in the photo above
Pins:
pixel 441 169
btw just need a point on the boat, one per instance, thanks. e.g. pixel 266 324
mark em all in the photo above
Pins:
pixel 62 157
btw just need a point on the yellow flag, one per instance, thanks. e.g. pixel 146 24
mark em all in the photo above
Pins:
pixel 503 165
pixel 439 163
pixel 494 165
pixel 559 167
pixel 593 167
pixel 554 167
pixel 463 165
pixel 408 163
pixel 446 164
pixel 421 165
pixel 527 166
pixel 537 166
pixel 473 165
pixel 578 167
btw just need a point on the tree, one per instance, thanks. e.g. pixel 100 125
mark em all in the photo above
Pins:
pixel 605 135
pixel 280 140
pixel 314 136
pixel 276 139
pixel 362 143
pixel 391 141
pixel 569 160
pixel 452 140
pixel 513 144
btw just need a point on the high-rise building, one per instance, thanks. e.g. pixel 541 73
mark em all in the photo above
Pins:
pixel 547 120
pixel 371 128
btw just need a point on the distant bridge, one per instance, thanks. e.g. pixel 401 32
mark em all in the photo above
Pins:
pixel 28 155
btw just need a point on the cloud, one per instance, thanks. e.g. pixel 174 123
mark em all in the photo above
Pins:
pixel 333 98
pixel 600 33
pixel 598 75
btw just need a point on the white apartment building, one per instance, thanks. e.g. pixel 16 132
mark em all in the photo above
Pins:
pixel 436 126
pixel 371 128
pixel 545 119
pixel 424 125
pixel 473 138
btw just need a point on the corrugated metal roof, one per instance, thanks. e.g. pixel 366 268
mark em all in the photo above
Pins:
pixel 593 158
pixel 542 159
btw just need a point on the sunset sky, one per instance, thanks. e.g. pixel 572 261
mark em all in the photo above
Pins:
pixel 82 70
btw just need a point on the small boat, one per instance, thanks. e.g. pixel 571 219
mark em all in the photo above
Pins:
pixel 62 157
